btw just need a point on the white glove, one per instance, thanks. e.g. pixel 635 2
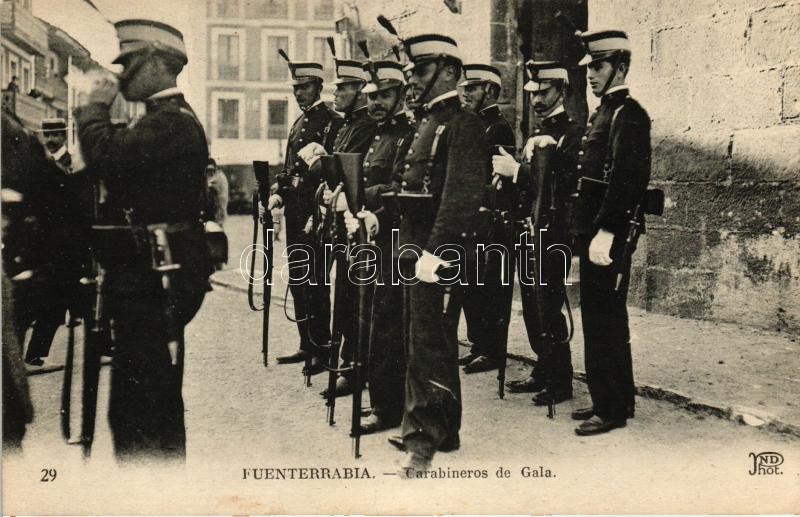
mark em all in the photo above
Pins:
pixel 275 201
pixel 504 164
pixel 370 221
pixel 261 211
pixel 341 203
pixel 427 266
pixel 600 248
pixel 537 141
pixel 310 151
pixel 351 223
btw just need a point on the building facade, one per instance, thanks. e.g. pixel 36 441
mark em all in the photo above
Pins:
pixel 248 104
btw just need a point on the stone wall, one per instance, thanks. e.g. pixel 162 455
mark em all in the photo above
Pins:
pixel 721 81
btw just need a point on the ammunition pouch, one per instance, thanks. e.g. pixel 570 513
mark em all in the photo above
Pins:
pixel 585 204
pixel 216 243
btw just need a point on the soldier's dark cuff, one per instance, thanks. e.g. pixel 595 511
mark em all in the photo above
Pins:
pixel 91 112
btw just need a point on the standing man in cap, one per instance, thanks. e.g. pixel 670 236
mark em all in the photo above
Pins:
pixel 54 134
pixel 614 169
pixel 318 124
pixel 441 191
pixel 58 198
pixel 387 363
pixel 487 326
pixel 355 136
pixel 547 87
pixel 155 176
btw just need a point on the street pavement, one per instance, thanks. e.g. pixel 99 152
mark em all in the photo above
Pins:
pixel 241 415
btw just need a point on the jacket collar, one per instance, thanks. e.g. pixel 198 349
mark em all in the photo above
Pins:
pixel 442 100
pixel 616 95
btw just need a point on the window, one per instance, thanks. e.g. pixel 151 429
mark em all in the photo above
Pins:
pixel 323 10
pixel 227 56
pixel 26 80
pixel 228 118
pixel 322 54
pixel 277 71
pixel 227 8
pixel 277 118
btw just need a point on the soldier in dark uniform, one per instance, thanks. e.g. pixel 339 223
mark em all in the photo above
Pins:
pixel 614 169
pixel 547 87
pixel 487 325
pixel 355 136
pixel 155 175
pixel 441 191
pixel 318 124
pixel 387 364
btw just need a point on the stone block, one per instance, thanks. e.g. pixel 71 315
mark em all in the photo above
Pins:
pixel 691 156
pixel 500 10
pixel 677 248
pixel 499 49
pixel 699 47
pixel 767 154
pixel 772 36
pixel 730 101
pixel 791 93
pixel 685 293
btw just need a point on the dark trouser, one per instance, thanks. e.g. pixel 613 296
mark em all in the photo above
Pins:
pixel 433 388
pixel 146 407
pixel 487 307
pixel 46 309
pixel 557 362
pixel 609 368
pixel 312 306
pixel 387 356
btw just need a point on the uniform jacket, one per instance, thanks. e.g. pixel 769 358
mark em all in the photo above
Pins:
pixel 567 133
pixel 157 169
pixel 456 173
pixel 617 152
pixel 390 138
pixel 319 124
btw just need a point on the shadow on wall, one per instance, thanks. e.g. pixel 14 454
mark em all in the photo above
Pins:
pixel 728 246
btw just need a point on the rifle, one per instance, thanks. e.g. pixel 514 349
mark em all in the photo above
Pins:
pixel 653 201
pixel 96 339
pixel 333 179
pixel 503 221
pixel 538 221
pixel 261 195
pixel 352 168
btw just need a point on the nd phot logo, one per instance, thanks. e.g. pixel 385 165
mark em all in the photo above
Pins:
pixel 766 463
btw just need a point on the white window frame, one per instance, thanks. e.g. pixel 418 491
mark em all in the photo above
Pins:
pixel 310 11
pixel 266 33
pixel 291 112
pixel 216 32
pixel 223 95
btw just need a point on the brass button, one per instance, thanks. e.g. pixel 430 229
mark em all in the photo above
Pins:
pixel 407 166
pixel 377 138
pixel 580 153
pixel 366 164
pixel 370 150
pixel 405 183
pixel 580 167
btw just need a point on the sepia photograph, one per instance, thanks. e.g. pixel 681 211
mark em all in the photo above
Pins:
pixel 409 257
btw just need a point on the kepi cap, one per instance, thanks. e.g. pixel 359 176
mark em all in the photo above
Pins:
pixel 541 74
pixel 350 71
pixel 427 47
pixel 604 44
pixel 138 35
pixel 480 73
pixel 383 75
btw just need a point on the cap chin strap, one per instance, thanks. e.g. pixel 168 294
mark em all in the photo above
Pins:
pixel 351 108
pixel 483 98
pixel 555 103
pixel 614 68
pixel 393 110
pixel 422 96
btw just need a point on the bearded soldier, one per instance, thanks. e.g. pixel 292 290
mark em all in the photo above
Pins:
pixel 487 325
pixel 614 169
pixel 386 375
pixel 318 125
pixel 155 176
pixel 547 86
